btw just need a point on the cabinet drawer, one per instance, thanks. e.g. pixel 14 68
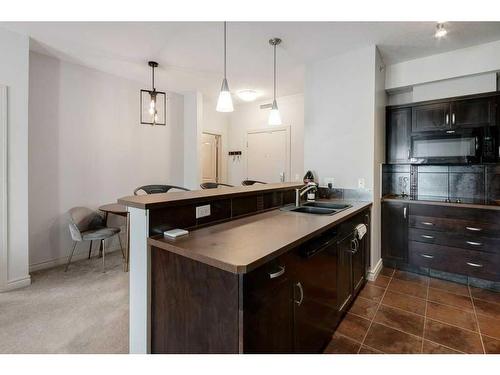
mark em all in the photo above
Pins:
pixel 459 226
pixel 474 215
pixel 474 243
pixel 451 259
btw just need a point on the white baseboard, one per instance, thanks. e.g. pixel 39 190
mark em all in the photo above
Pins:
pixel 373 273
pixel 79 255
pixel 16 284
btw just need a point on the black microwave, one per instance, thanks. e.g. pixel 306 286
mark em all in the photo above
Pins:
pixel 455 146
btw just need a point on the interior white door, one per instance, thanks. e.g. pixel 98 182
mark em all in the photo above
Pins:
pixel 268 155
pixel 209 144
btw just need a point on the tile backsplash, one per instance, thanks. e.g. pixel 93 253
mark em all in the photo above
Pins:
pixel 477 183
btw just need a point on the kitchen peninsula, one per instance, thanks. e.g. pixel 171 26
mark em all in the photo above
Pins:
pixel 249 277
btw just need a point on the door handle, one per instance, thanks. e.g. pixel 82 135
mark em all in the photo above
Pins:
pixel 477 265
pixel 473 229
pixel 301 290
pixel 447 119
pixel 428 223
pixel 404 212
pixel 473 243
pixel 427 256
pixel 453 118
pixel 354 246
pixel 427 236
pixel 278 273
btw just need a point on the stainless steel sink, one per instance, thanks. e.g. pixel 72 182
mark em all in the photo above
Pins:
pixel 312 210
pixel 334 206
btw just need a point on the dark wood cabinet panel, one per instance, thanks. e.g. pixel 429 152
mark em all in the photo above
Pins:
pixel 430 117
pixel 398 135
pixel 360 261
pixel 473 113
pixel 344 273
pixel 268 310
pixel 395 231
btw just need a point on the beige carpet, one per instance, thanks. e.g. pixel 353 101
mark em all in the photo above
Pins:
pixel 80 311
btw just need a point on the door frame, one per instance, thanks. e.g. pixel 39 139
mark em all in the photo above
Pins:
pixel 218 168
pixel 4 277
pixel 288 147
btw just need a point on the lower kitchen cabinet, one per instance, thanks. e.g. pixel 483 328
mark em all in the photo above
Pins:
pixel 395 231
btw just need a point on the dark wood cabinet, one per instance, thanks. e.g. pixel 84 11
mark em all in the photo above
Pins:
pixel 344 273
pixel 398 135
pixel 473 113
pixel 395 231
pixel 430 117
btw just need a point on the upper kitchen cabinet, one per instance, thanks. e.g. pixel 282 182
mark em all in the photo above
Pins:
pixel 398 135
pixel 430 117
pixel 473 112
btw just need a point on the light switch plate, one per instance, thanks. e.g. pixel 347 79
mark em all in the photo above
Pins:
pixel 202 211
pixel 361 183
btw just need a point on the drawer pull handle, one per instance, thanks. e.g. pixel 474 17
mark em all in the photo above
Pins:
pixel 474 229
pixel 427 256
pixel 474 243
pixel 474 264
pixel 277 273
pixel 427 236
pixel 301 290
pixel 427 223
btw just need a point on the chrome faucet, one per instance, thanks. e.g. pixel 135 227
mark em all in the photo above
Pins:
pixel 304 189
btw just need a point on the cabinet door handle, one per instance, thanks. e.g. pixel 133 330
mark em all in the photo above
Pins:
pixel 404 212
pixel 301 290
pixel 408 153
pixel 447 119
pixel 477 265
pixel 278 273
pixel 428 223
pixel 453 118
pixel 427 256
pixel 473 229
pixel 474 243
pixel 427 236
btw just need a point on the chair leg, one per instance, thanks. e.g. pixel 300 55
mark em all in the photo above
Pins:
pixel 103 254
pixel 71 256
pixel 90 249
pixel 121 246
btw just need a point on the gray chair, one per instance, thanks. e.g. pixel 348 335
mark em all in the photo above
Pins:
pixel 155 189
pixel 213 185
pixel 88 225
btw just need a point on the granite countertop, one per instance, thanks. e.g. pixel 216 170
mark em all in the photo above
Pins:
pixel 152 201
pixel 241 245
pixel 441 201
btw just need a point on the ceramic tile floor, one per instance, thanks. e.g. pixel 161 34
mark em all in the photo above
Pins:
pixel 404 313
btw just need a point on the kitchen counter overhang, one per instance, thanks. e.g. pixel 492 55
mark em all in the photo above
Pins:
pixel 239 246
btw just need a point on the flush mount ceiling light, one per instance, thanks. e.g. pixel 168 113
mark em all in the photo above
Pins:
pixel 274 115
pixel 247 95
pixel 225 102
pixel 153 103
pixel 440 31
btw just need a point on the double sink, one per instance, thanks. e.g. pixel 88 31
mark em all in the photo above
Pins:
pixel 318 208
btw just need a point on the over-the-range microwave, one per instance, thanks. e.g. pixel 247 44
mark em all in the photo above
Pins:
pixel 456 146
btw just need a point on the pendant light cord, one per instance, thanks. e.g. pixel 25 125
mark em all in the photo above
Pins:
pixel 275 72
pixel 153 78
pixel 224 49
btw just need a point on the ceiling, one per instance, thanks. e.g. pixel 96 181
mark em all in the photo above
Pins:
pixel 190 53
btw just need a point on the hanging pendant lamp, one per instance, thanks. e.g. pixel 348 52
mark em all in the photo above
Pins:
pixel 274 115
pixel 153 103
pixel 225 102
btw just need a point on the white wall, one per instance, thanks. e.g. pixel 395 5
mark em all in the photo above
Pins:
pixel 87 148
pixel 193 119
pixel 217 123
pixel 339 113
pixel 462 62
pixel 14 65
pixel 250 117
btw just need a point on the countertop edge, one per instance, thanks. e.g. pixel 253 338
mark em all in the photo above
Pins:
pixel 245 268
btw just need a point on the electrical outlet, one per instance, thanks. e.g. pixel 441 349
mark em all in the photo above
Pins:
pixel 361 183
pixel 202 211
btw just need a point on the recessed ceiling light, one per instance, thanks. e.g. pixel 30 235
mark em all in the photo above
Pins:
pixel 440 31
pixel 247 95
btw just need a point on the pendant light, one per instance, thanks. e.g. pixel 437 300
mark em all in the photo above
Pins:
pixel 225 102
pixel 153 103
pixel 274 115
